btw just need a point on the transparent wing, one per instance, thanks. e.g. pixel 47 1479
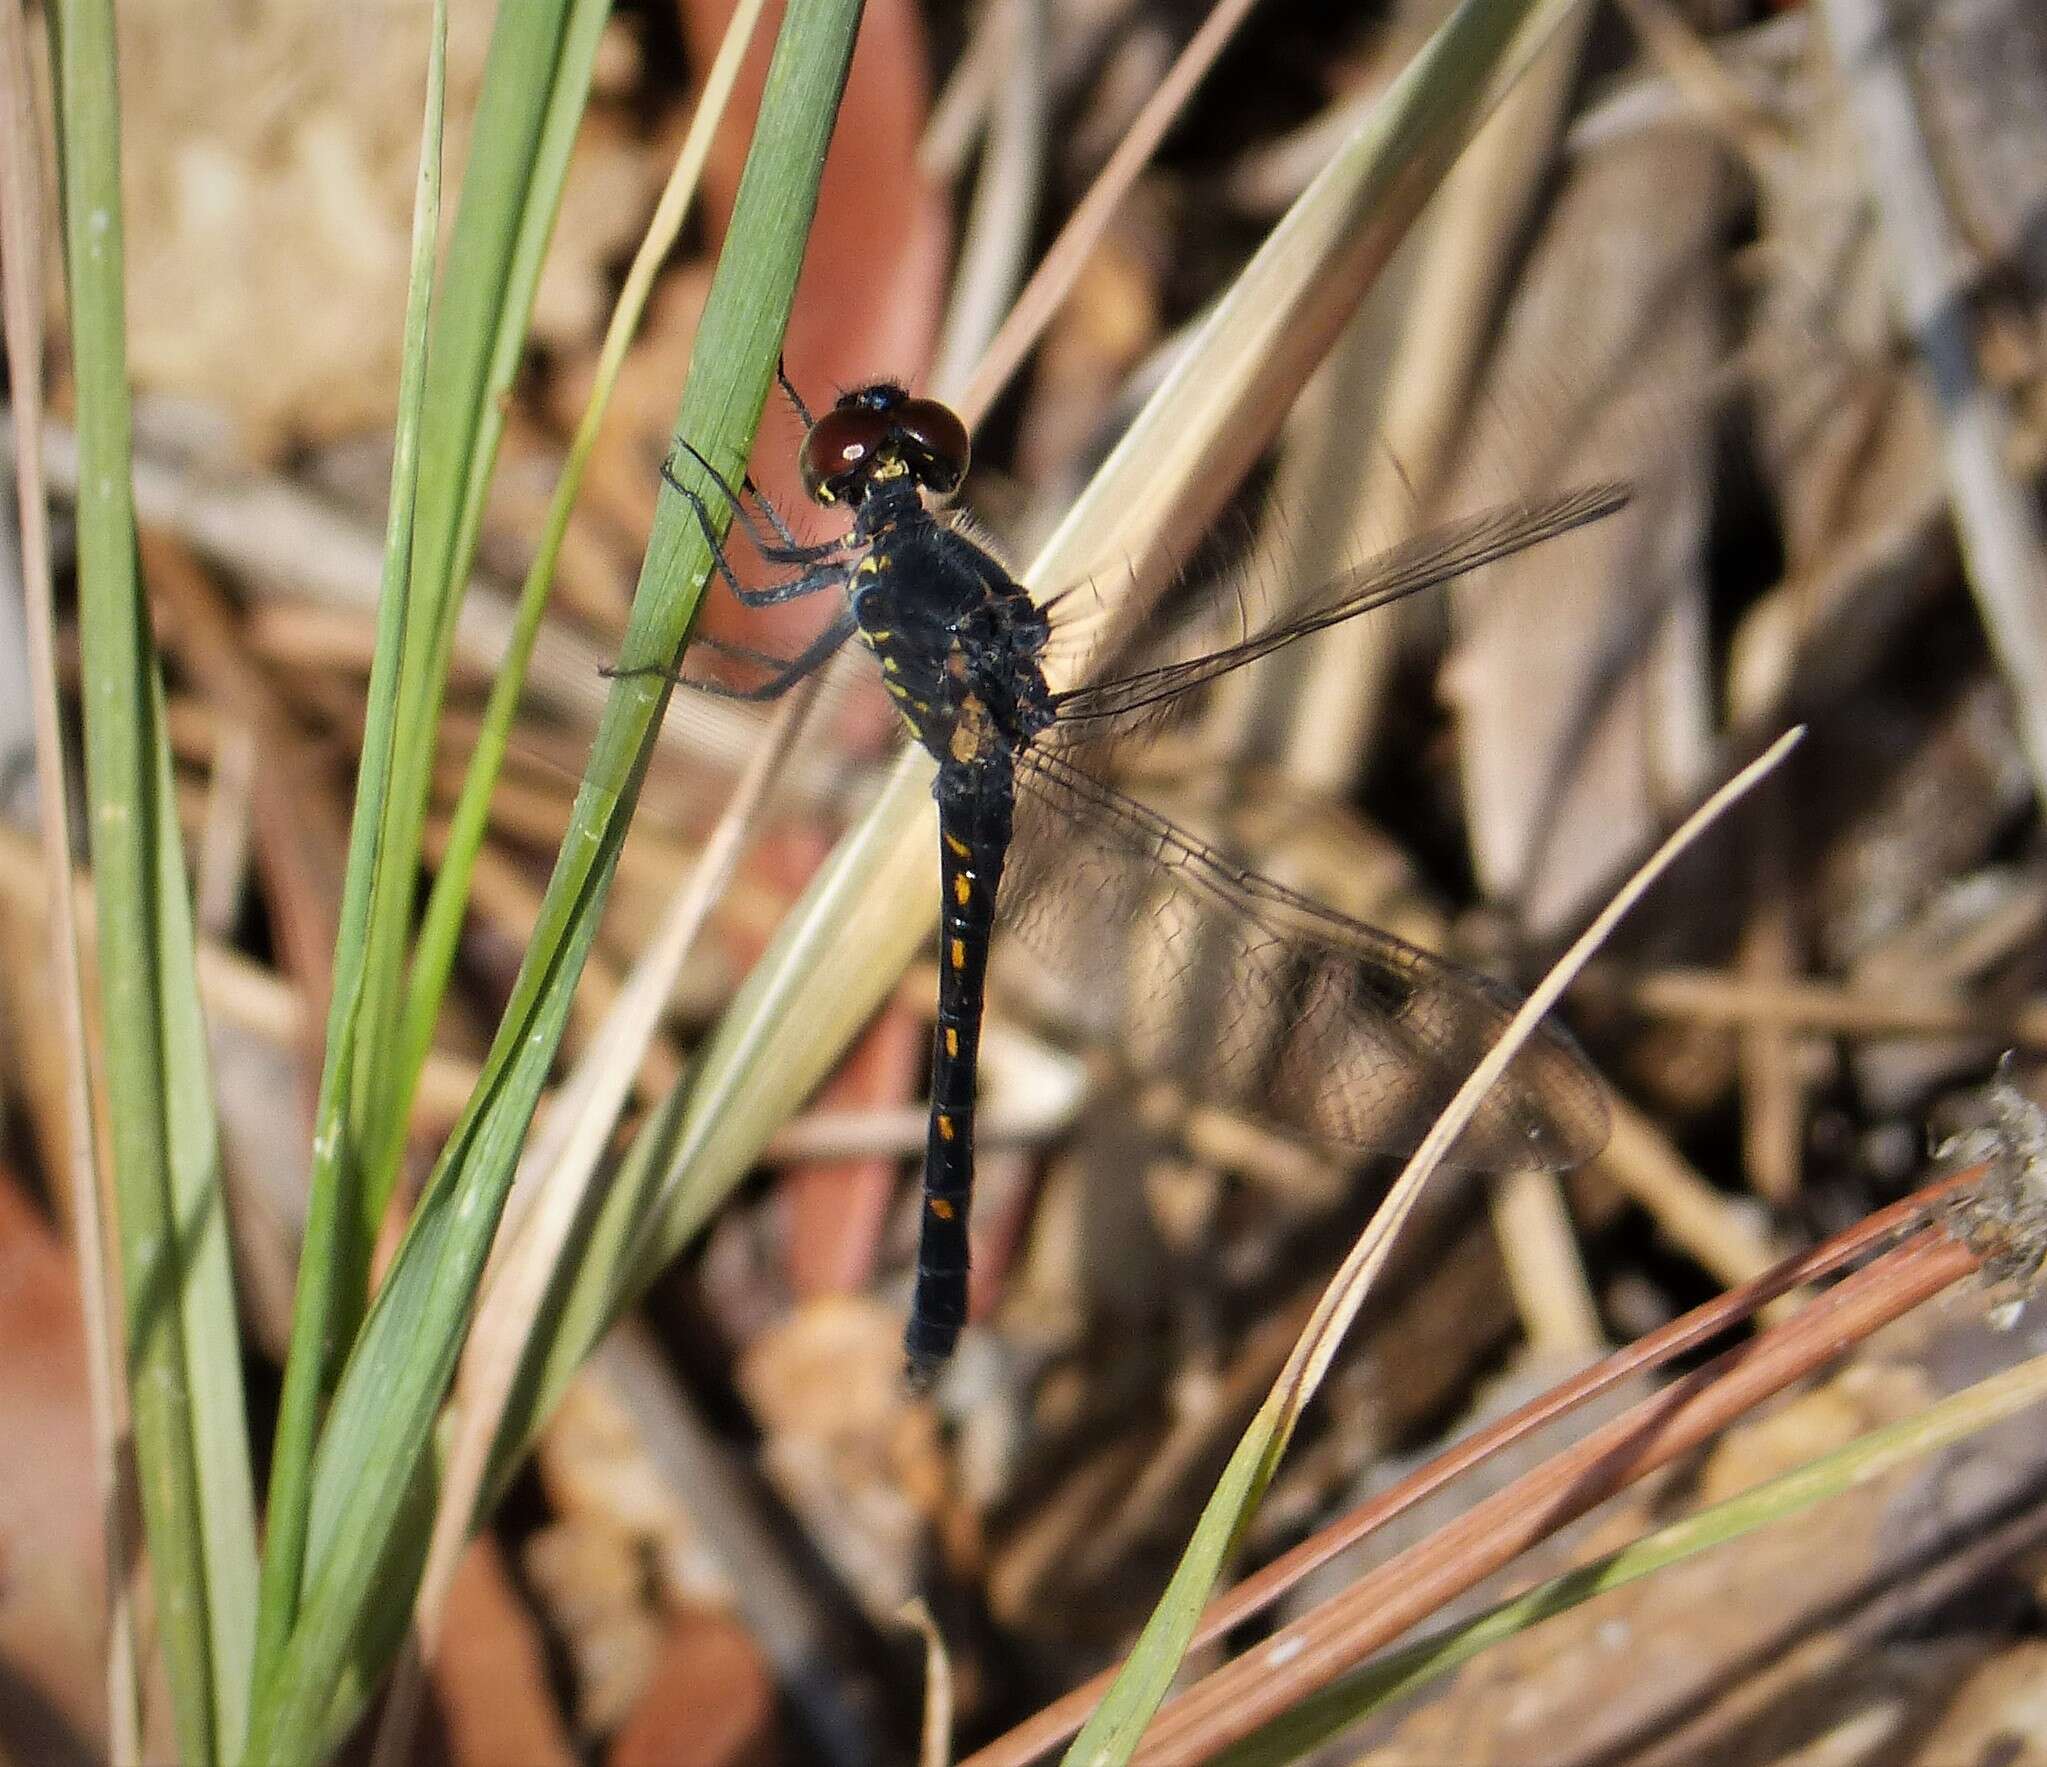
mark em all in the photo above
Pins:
pixel 1253 997
pixel 1103 707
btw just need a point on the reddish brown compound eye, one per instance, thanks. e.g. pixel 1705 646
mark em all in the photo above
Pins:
pixel 936 441
pixel 839 445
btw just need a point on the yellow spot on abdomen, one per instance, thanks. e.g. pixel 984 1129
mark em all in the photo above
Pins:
pixel 962 889
pixel 945 1129
pixel 960 849
pixel 952 1042
pixel 941 1208
pixel 959 954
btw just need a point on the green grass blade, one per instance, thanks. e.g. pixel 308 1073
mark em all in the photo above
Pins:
pixel 25 271
pixel 535 87
pixel 1873 1456
pixel 376 1450
pixel 526 127
pixel 441 925
pixel 325 1265
pixel 184 1353
pixel 1111 1734
pixel 531 101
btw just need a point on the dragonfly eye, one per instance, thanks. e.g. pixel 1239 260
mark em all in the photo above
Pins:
pixel 840 449
pixel 936 443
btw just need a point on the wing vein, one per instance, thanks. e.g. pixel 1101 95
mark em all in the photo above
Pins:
pixel 1422 563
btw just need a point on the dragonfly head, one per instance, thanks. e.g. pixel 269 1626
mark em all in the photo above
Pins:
pixel 878 435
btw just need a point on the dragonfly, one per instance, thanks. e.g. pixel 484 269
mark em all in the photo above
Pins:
pixel 1316 1022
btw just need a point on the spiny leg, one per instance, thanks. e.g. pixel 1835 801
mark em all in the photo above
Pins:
pixel 811 658
pixel 790 393
pixel 831 569
pixel 790 551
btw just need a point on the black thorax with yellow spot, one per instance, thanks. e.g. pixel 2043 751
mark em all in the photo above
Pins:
pixel 958 641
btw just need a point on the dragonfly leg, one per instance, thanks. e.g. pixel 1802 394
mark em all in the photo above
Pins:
pixel 790 393
pixel 788 671
pixel 827 572
pixel 790 550
pixel 833 575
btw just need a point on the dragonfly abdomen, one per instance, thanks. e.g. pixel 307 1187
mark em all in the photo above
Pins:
pixel 975 814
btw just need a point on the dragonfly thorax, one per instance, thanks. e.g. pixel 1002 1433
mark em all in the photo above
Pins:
pixel 958 640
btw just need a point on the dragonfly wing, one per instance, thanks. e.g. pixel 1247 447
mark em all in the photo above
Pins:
pixel 1253 997
pixel 1421 563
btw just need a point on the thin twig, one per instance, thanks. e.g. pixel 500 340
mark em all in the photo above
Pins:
pixel 1553 1297
pixel 1714 1230
pixel 1712 996
pixel 934 1747
pixel 997 236
pixel 1702 81
pixel 1062 264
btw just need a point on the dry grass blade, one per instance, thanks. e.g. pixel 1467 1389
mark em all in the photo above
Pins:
pixel 1114 1730
pixel 934 1747
pixel 1061 266
pixel 1658 1349
pixel 1307 1656
pixel 1346 1292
